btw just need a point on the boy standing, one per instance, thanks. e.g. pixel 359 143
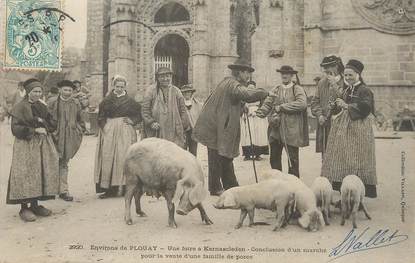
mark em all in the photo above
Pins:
pixel 68 136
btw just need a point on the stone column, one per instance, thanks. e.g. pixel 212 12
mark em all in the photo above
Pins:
pixel 201 52
pixel 312 40
pixel 96 49
pixel 122 44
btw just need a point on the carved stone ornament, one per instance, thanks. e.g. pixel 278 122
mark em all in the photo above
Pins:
pixel 390 16
pixel 276 53
pixel 198 2
pixel 275 3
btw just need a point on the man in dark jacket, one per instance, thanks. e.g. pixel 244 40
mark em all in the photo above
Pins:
pixel 218 125
pixel 325 94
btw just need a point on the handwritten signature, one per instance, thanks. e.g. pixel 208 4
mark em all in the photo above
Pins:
pixel 355 242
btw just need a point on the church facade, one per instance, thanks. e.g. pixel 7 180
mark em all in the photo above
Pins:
pixel 199 38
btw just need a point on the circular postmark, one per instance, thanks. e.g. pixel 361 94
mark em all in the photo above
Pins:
pixel 33 37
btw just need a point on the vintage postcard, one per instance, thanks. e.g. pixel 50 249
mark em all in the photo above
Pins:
pixel 207 131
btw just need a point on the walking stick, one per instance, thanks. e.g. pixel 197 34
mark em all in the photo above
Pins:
pixel 252 146
pixel 285 144
pixel 323 151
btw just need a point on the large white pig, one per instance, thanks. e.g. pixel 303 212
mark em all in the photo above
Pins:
pixel 160 167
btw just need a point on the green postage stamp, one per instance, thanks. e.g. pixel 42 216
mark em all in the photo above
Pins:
pixel 33 35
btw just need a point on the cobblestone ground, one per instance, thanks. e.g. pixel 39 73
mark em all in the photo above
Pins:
pixel 93 230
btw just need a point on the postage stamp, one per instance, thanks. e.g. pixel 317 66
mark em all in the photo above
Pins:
pixel 33 35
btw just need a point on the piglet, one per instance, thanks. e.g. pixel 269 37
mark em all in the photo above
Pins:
pixel 323 191
pixel 352 193
pixel 269 194
pixel 160 167
pixel 311 217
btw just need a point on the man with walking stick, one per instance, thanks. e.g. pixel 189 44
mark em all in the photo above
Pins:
pixel 324 98
pixel 218 125
pixel 287 116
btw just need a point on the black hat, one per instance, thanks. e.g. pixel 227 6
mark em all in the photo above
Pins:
pixel 31 84
pixel 287 69
pixel 356 65
pixel 66 83
pixel 241 64
pixel 186 88
pixel 317 79
pixel 76 82
pixel 330 61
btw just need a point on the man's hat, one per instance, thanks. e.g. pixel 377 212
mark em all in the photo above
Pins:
pixel 187 88
pixel 356 65
pixel 66 83
pixel 164 70
pixel 31 84
pixel 241 64
pixel 287 70
pixel 76 82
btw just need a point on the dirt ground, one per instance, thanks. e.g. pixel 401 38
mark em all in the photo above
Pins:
pixel 93 230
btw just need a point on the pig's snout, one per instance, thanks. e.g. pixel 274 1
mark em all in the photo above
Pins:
pixel 181 212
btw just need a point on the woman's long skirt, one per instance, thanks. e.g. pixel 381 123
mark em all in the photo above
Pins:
pixel 112 146
pixel 351 150
pixel 259 136
pixel 34 173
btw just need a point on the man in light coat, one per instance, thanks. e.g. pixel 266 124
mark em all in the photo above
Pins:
pixel 288 125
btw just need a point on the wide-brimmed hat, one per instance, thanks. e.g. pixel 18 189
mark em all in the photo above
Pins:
pixel 356 65
pixel 164 70
pixel 287 70
pixel 187 88
pixel 241 64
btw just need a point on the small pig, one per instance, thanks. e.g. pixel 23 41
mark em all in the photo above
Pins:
pixel 311 217
pixel 352 193
pixel 323 191
pixel 160 167
pixel 269 194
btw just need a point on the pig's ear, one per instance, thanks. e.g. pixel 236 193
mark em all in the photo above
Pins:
pixel 197 194
pixel 179 192
pixel 229 201
pixel 304 220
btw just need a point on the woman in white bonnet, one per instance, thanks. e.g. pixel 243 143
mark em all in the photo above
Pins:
pixel 117 115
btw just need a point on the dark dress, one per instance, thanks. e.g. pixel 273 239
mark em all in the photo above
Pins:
pixel 351 142
pixel 34 173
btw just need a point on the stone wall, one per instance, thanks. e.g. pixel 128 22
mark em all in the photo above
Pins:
pixel 295 32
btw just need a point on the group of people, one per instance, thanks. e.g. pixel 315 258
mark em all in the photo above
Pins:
pixel 49 134
pixel 343 106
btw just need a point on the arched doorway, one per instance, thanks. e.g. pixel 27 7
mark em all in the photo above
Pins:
pixel 172 51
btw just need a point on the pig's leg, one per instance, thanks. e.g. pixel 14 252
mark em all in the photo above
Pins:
pixel 130 189
pixel 280 216
pixel 344 212
pixel 168 195
pixel 355 207
pixel 203 214
pixel 365 210
pixel 324 211
pixel 137 196
pixel 241 218
pixel 251 214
